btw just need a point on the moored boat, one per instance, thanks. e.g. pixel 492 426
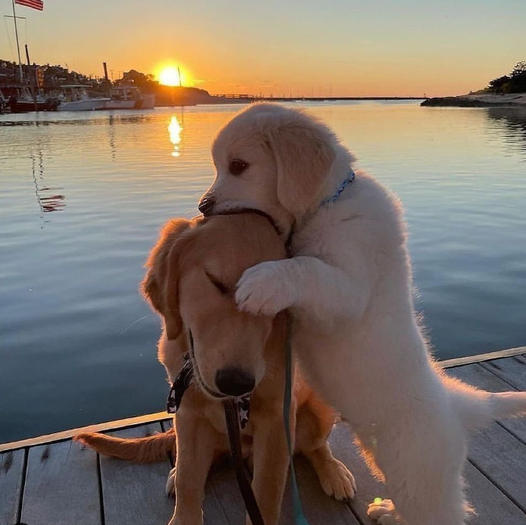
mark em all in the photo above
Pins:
pixel 129 97
pixel 75 98
pixel 19 99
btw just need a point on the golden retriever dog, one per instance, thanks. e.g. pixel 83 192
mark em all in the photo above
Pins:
pixel 191 279
pixel 349 288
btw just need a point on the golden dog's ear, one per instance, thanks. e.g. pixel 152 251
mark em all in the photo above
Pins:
pixel 304 155
pixel 160 285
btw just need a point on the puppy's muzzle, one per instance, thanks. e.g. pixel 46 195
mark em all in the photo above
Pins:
pixel 234 381
pixel 206 205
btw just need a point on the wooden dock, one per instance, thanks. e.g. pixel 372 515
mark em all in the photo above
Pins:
pixel 52 480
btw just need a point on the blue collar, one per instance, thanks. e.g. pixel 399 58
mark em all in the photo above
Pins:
pixel 333 198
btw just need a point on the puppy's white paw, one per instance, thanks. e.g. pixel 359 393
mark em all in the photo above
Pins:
pixel 383 512
pixel 170 483
pixel 264 289
pixel 337 480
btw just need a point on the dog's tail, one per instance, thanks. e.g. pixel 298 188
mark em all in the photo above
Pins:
pixel 478 408
pixel 147 449
pixel 508 404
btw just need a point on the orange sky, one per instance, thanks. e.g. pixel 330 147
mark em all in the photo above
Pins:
pixel 338 47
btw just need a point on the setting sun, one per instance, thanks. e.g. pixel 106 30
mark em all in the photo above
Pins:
pixel 170 76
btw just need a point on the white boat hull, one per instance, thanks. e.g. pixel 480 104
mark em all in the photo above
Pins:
pixel 120 104
pixel 146 101
pixel 89 104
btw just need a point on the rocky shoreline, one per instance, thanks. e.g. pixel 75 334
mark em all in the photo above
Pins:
pixel 478 101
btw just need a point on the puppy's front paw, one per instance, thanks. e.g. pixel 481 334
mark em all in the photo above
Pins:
pixel 170 483
pixel 264 289
pixel 337 480
pixel 383 512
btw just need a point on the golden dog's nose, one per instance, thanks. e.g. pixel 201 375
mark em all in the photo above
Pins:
pixel 206 204
pixel 234 381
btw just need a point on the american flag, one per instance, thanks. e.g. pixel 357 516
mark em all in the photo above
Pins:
pixel 35 4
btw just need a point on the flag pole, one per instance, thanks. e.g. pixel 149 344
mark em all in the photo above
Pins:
pixel 17 44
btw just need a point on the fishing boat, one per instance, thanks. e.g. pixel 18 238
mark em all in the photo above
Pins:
pixel 3 103
pixel 19 99
pixel 129 97
pixel 75 97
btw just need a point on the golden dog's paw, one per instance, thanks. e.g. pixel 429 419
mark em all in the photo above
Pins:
pixel 337 480
pixel 383 512
pixel 170 483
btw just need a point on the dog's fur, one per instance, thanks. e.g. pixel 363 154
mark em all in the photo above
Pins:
pixel 192 272
pixel 349 286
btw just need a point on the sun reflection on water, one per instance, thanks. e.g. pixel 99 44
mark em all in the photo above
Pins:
pixel 175 129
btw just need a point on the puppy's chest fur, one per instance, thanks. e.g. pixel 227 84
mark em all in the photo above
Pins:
pixel 328 235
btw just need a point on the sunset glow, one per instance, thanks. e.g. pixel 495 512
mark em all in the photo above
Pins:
pixel 174 130
pixel 405 48
pixel 170 76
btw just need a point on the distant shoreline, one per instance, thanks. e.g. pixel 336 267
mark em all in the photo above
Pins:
pixel 336 98
pixel 483 100
pixel 215 99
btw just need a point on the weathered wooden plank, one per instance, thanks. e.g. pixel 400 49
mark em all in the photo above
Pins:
pixel 512 370
pixel 61 486
pixel 319 508
pixel 11 477
pixel 478 375
pixel 499 354
pixel 166 424
pixel 224 505
pixel 134 494
pixel 502 458
pixel 223 502
pixel 213 511
pixel 98 427
pixel 491 506
pixel 343 447
pixel 220 481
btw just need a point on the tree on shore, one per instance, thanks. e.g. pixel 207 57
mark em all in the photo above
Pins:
pixel 515 82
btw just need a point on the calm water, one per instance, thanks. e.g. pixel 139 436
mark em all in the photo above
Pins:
pixel 82 197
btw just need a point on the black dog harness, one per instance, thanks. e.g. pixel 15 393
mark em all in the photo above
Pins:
pixel 182 382
pixel 237 412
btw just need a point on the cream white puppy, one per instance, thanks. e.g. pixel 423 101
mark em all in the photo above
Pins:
pixel 349 287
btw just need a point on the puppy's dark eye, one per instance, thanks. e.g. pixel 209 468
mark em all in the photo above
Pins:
pixel 218 284
pixel 237 166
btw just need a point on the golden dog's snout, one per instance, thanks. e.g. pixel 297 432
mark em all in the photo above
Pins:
pixel 235 382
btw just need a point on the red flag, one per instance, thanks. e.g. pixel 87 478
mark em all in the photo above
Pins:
pixel 35 4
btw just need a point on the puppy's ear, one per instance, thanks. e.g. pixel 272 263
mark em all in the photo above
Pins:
pixel 160 285
pixel 304 155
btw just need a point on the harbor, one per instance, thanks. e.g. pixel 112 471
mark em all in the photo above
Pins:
pixel 386 147
pixel 37 89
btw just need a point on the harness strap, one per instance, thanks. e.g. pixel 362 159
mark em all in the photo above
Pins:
pixel 299 516
pixel 243 480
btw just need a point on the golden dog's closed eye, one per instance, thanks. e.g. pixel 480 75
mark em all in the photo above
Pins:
pixel 223 288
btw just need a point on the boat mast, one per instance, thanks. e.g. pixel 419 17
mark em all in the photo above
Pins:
pixel 17 43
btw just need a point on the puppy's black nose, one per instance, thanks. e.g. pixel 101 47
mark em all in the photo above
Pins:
pixel 234 381
pixel 206 204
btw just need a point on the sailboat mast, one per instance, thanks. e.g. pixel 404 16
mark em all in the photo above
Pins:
pixel 17 43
